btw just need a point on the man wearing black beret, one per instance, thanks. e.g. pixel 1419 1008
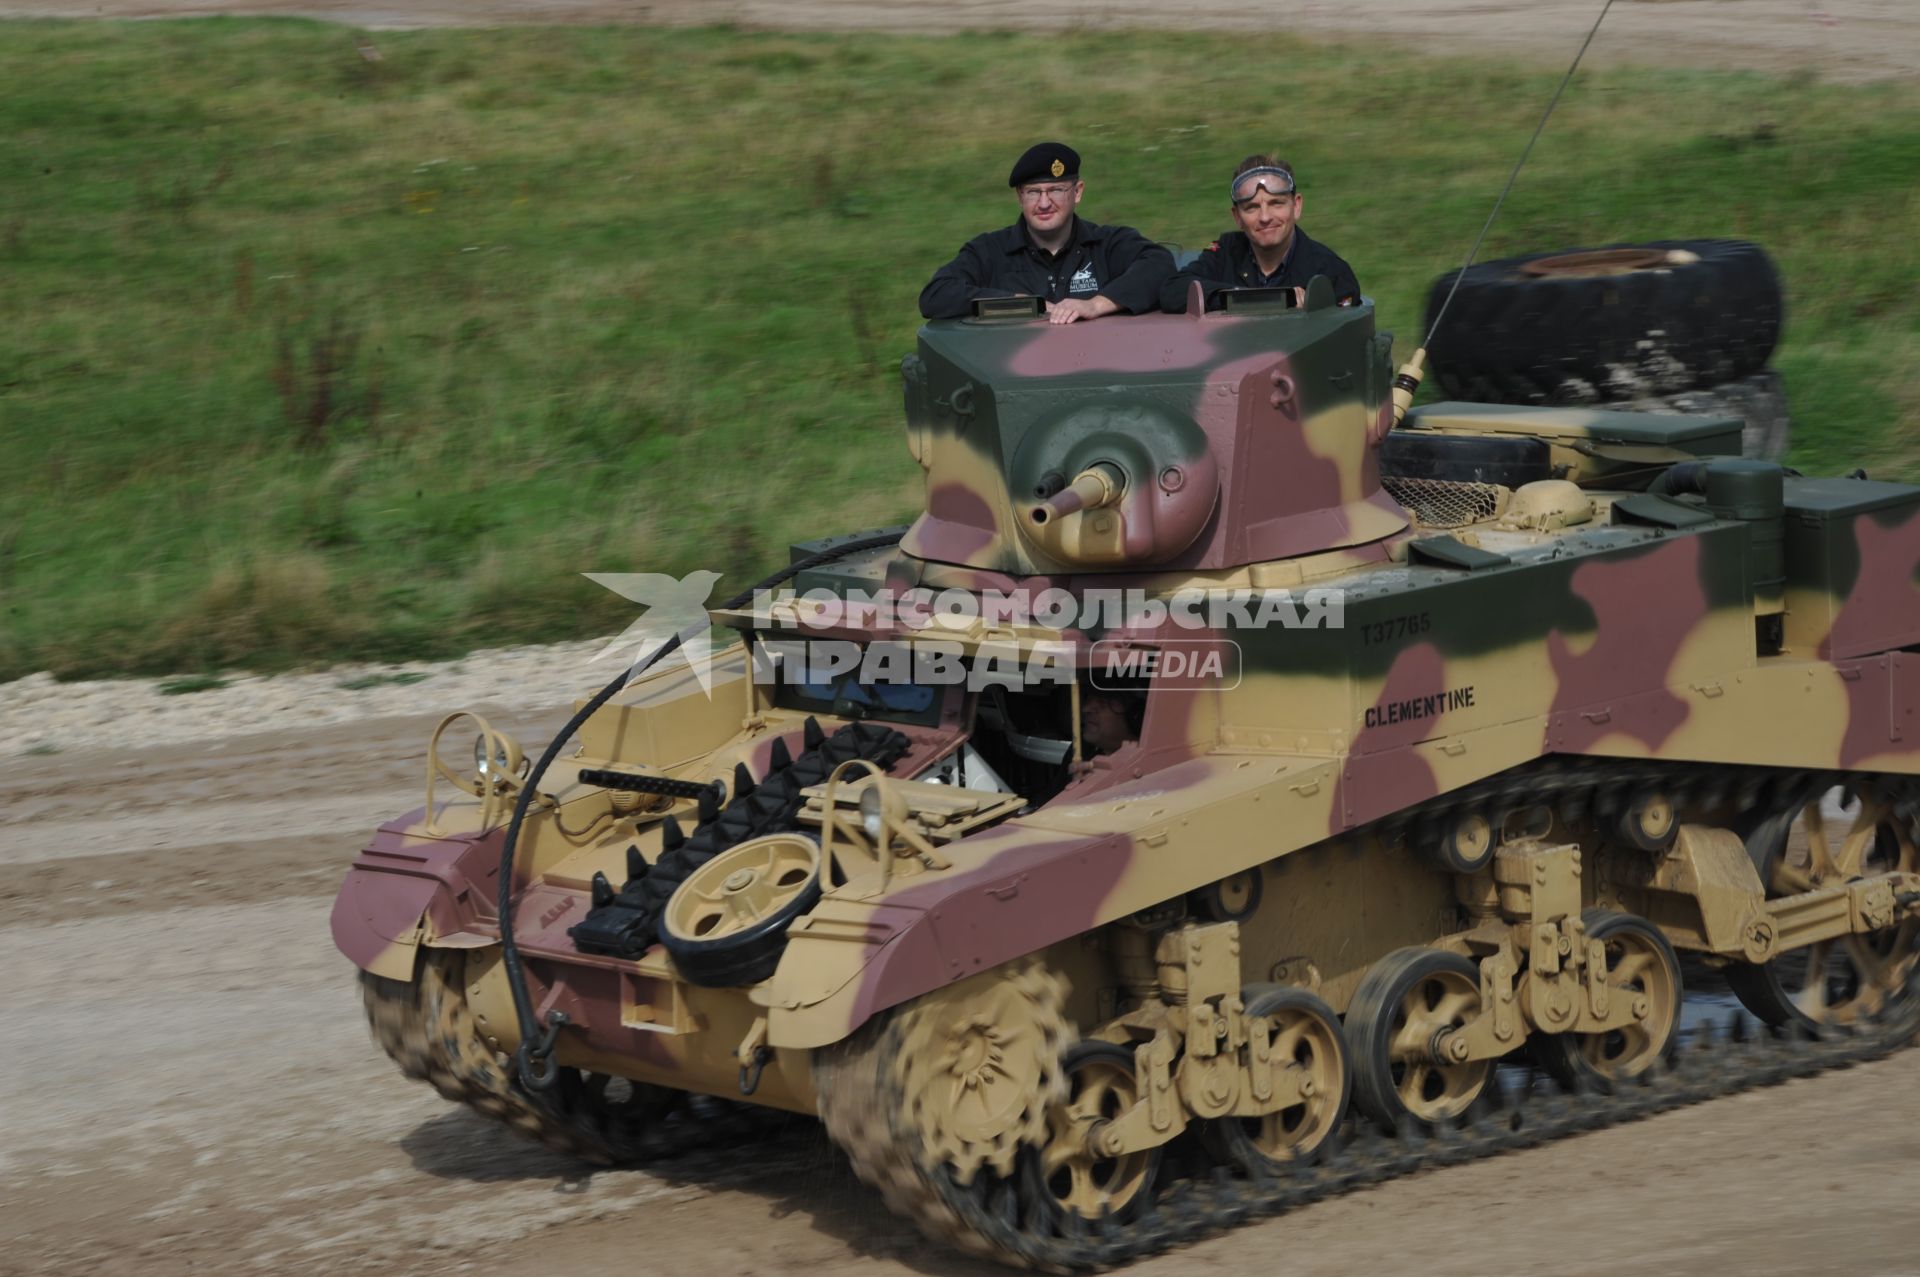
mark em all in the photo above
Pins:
pixel 1082 269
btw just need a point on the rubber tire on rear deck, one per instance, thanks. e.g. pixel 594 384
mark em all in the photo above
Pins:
pixel 1515 337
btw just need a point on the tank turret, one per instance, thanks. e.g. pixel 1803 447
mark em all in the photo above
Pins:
pixel 1196 441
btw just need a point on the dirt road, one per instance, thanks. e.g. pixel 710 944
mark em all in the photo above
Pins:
pixel 1849 40
pixel 189 1089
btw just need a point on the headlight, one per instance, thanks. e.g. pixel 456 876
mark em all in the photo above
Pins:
pixel 500 765
pixel 872 816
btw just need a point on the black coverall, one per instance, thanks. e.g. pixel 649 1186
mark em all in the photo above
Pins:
pixel 1116 262
pixel 1229 263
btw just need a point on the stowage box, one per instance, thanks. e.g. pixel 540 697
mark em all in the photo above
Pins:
pixel 1851 548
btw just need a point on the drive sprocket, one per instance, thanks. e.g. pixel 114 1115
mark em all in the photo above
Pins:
pixel 948 1090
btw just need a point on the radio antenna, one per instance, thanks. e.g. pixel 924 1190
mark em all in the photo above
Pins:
pixel 1407 380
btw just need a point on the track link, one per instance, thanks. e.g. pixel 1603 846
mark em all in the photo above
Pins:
pixel 427 1028
pixel 990 1217
pixel 854 1108
pixel 991 1220
pixel 863 1088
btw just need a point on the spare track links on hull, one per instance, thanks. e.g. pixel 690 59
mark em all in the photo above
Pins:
pixel 626 923
pixel 428 1030
pixel 994 1216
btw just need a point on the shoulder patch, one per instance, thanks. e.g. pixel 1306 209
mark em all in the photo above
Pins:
pixel 1213 247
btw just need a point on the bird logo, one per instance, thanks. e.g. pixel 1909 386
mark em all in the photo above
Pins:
pixel 676 608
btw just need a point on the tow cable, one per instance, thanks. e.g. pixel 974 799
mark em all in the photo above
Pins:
pixel 533 1060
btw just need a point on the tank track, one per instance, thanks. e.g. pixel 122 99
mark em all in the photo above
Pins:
pixel 427 1028
pixel 991 1217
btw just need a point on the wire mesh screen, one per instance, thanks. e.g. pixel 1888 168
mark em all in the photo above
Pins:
pixel 1439 503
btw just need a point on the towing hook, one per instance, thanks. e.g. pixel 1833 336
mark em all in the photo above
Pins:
pixel 534 1060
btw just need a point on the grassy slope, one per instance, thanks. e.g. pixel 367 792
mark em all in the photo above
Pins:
pixel 633 299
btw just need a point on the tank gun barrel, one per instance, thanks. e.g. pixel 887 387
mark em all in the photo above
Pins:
pixel 1100 484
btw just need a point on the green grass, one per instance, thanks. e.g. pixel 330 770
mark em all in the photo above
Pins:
pixel 367 681
pixel 188 683
pixel 312 357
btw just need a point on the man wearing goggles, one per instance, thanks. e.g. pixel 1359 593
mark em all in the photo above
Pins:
pixel 1269 250
pixel 1082 269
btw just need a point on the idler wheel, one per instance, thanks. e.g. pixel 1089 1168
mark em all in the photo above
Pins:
pixel 1304 1038
pixel 1640 964
pixel 1406 1002
pixel 1063 1174
pixel 1853 978
pixel 726 925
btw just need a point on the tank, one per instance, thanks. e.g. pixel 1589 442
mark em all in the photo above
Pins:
pixel 1189 812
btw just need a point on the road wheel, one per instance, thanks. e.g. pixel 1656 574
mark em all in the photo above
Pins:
pixel 1062 1174
pixel 1640 964
pixel 1406 1001
pixel 1606 325
pixel 1304 1038
pixel 1832 837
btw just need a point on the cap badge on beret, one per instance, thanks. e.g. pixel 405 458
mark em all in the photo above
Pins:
pixel 1045 162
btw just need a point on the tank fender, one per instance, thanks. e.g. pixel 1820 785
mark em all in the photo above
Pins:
pixel 1083 860
pixel 406 883
pixel 376 921
pixel 851 959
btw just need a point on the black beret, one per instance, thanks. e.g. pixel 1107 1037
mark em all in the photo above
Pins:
pixel 1045 161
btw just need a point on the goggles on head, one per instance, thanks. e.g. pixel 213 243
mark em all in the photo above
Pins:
pixel 1274 181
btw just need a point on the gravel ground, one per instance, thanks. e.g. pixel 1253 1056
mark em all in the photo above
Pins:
pixel 41 716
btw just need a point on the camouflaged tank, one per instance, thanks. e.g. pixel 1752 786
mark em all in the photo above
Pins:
pixel 1436 746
